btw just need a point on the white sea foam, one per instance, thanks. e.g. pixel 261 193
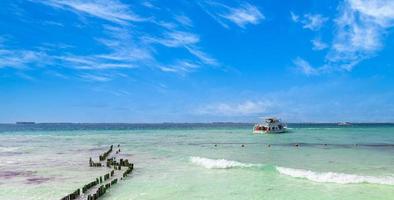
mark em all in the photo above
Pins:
pixel 8 149
pixel 7 163
pixel 219 163
pixel 332 177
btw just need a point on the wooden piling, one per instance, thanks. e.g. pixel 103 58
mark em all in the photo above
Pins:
pixel 103 187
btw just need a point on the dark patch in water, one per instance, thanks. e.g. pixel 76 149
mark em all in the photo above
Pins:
pixel 13 174
pixel 37 180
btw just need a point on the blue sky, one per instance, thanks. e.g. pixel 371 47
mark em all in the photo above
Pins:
pixel 196 61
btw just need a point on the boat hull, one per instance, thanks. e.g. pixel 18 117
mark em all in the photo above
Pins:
pixel 268 132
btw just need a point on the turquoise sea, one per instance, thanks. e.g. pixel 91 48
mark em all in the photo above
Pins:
pixel 201 161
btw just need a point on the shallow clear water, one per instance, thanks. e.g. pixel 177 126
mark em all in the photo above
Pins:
pixel 201 161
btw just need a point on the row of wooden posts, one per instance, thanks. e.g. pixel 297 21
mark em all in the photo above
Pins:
pixel 94 164
pixel 89 185
pixel 100 192
pixel 103 188
pixel 73 195
pixel 105 155
pixel 121 163
pixel 129 170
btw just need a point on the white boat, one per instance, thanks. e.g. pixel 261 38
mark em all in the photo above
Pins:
pixel 344 124
pixel 271 125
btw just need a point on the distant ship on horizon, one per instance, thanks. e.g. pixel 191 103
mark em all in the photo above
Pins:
pixel 344 124
pixel 25 123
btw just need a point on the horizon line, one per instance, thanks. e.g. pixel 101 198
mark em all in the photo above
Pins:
pixel 214 122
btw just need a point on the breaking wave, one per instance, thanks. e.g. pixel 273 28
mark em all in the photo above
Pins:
pixel 332 177
pixel 219 163
pixel 321 177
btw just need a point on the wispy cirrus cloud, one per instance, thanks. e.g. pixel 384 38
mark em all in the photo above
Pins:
pixel 95 78
pixel 127 48
pixel 202 56
pixel 294 17
pixel 124 40
pixel 246 14
pixel 305 67
pixel 110 10
pixel 180 67
pixel 188 41
pixel 360 29
pixel 313 22
pixel 241 16
pixel 184 20
pixel 100 76
pixel 20 58
pixel 318 44
pixel 176 39
pixel 148 4
pixel 309 21
pixel 122 52
pixel 92 62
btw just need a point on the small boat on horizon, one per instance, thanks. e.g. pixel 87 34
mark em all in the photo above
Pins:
pixel 344 124
pixel 270 125
pixel 25 123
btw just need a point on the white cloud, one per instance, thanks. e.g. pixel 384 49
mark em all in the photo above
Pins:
pixel 166 24
pixel 124 48
pixel 304 66
pixel 309 21
pixel 361 27
pixel 294 17
pixel 313 22
pixel 184 20
pixel 187 40
pixel 241 16
pixel 177 39
pixel 381 10
pixel 148 4
pixel 180 67
pixel 318 44
pixel 22 58
pixel 110 10
pixel 122 45
pixel 246 14
pixel 244 108
pixel 168 69
pixel 96 78
pixel 92 62
pixel 122 52
pixel 206 59
pixel 30 58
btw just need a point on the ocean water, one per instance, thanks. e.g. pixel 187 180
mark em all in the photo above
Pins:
pixel 201 161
